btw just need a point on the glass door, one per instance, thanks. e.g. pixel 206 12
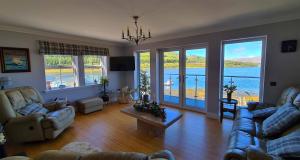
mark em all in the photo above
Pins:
pixel 183 77
pixel 170 77
pixel 195 78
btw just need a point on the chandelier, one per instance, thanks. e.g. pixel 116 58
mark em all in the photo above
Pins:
pixel 139 35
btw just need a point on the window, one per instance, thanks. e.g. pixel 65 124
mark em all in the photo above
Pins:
pixel 93 68
pixel 60 71
pixel 144 63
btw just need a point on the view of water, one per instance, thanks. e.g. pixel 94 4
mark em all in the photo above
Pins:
pixel 250 85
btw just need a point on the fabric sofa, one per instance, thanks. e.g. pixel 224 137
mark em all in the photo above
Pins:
pixel 62 155
pixel 19 128
pixel 247 141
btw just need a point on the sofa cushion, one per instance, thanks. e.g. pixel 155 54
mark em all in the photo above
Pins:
pixel 240 140
pixel 33 108
pixel 264 113
pixel 244 113
pixel 58 119
pixel 287 146
pixel 285 117
pixel 288 95
pixel 245 125
pixel 30 95
pixel 16 99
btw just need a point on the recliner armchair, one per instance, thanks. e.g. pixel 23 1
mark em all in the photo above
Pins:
pixel 34 127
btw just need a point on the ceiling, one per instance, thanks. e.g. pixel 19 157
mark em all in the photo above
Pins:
pixel 104 19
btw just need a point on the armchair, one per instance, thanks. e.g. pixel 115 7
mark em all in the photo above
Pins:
pixel 33 127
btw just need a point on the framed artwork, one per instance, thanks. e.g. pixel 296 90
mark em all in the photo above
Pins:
pixel 289 46
pixel 14 60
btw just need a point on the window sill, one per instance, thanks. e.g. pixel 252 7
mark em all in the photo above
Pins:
pixel 70 88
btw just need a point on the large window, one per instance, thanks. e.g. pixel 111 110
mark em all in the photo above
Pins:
pixel 144 63
pixel 93 69
pixel 60 71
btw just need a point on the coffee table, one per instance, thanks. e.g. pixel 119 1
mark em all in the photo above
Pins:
pixel 150 124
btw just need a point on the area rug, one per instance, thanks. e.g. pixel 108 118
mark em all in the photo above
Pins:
pixel 81 148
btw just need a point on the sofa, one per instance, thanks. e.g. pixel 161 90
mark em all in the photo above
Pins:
pixel 27 118
pixel 248 140
pixel 63 155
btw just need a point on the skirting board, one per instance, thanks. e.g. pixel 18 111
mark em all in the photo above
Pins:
pixel 212 116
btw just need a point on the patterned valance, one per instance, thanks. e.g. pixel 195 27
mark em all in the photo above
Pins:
pixel 55 48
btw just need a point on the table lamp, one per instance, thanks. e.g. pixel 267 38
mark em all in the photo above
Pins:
pixel 5 81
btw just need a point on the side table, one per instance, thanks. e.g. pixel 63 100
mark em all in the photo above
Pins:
pixel 232 102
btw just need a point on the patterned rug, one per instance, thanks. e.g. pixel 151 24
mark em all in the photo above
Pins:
pixel 81 147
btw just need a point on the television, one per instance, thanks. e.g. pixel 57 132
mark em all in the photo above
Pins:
pixel 123 63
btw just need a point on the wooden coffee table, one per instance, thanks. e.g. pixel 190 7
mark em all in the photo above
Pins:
pixel 150 124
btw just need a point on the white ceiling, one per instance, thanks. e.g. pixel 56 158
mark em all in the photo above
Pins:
pixel 104 19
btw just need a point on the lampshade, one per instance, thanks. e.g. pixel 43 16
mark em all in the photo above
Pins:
pixel 5 81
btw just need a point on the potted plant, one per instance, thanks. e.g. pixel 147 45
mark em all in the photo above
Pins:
pixel 144 86
pixel 104 83
pixel 229 89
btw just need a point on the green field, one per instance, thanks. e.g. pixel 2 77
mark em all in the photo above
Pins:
pixel 171 61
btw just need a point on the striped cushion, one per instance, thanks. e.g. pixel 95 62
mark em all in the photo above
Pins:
pixel 282 119
pixel 264 113
pixel 287 146
pixel 32 109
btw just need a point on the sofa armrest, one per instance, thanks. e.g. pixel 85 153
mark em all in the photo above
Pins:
pixel 165 154
pixel 235 154
pixel 255 153
pixel 25 129
pixel 53 106
pixel 258 105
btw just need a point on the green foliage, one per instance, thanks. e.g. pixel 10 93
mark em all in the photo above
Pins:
pixel 171 60
pixel 144 85
pixel 66 60
pixel 104 81
pixel 230 88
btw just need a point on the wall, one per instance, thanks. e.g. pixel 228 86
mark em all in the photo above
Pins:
pixel 281 68
pixel 36 77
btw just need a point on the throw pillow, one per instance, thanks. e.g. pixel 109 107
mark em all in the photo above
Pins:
pixel 296 101
pixel 33 108
pixel 264 113
pixel 287 146
pixel 285 117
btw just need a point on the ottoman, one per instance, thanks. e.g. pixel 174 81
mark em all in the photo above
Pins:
pixel 89 105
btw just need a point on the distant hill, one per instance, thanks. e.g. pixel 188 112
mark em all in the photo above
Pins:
pixel 249 60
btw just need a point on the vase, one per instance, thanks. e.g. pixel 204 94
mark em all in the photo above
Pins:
pixel 105 98
pixel 145 97
pixel 229 95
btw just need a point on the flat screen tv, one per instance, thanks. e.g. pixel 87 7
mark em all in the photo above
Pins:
pixel 123 63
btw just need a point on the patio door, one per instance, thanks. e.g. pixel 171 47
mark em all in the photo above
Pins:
pixel 183 77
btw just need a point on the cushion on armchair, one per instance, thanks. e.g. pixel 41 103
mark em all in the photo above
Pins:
pixel 58 119
pixel 285 117
pixel 264 113
pixel 287 146
pixel 34 108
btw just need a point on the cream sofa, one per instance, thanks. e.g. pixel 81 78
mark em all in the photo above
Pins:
pixel 63 155
pixel 35 127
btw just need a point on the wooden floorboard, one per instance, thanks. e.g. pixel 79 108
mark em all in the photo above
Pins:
pixel 193 137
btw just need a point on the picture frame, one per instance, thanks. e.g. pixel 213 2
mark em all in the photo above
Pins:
pixel 14 60
pixel 289 46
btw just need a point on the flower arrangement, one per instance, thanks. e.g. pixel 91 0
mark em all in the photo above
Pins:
pixel 229 89
pixel 152 108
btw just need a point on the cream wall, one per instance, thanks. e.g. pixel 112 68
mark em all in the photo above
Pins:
pixel 281 68
pixel 36 77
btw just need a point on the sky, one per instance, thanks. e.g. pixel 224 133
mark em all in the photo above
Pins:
pixel 234 50
pixel 243 50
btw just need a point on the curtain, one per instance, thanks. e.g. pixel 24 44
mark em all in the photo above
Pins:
pixel 57 48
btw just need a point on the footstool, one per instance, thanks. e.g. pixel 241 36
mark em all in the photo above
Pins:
pixel 81 148
pixel 89 105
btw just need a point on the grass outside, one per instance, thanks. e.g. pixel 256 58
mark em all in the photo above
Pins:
pixel 70 70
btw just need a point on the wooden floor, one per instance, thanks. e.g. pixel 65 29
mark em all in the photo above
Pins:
pixel 193 137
